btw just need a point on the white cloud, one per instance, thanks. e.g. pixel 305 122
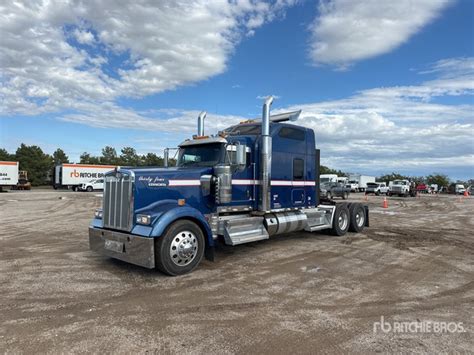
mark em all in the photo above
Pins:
pixel 84 37
pixel 376 130
pixel 347 31
pixel 158 45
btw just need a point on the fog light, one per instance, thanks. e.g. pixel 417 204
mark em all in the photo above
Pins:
pixel 98 213
pixel 143 219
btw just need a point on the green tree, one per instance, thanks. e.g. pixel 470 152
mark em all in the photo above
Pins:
pixel 109 156
pixel 439 179
pixel 325 170
pixel 38 164
pixel 5 156
pixel 393 176
pixel 151 159
pixel 129 157
pixel 86 158
pixel 59 157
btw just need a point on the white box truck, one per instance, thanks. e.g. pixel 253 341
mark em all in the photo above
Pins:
pixel 8 174
pixel 361 181
pixel 72 176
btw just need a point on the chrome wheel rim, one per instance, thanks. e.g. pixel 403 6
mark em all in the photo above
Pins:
pixel 360 218
pixel 342 221
pixel 183 248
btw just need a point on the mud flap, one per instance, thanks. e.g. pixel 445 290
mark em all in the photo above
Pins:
pixel 366 209
pixel 209 253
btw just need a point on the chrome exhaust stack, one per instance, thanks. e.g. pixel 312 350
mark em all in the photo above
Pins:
pixel 266 158
pixel 200 124
pixel 166 157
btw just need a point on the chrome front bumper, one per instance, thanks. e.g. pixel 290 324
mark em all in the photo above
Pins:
pixel 127 247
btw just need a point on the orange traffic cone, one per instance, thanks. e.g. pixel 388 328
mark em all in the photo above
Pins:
pixel 385 203
pixel 466 194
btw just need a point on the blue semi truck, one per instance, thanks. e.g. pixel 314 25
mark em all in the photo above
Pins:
pixel 249 182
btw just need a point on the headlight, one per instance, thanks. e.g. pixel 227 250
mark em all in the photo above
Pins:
pixel 144 219
pixel 98 213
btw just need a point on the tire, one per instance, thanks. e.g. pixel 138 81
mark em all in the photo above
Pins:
pixel 329 196
pixel 377 193
pixel 345 196
pixel 357 217
pixel 89 189
pixel 74 188
pixel 180 249
pixel 341 220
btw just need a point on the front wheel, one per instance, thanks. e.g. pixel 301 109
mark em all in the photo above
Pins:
pixel 345 196
pixel 89 189
pixel 180 249
pixel 341 220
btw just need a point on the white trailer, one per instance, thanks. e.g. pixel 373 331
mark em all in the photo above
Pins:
pixel 8 174
pixel 361 180
pixel 72 176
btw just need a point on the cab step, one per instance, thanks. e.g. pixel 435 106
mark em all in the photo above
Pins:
pixel 244 230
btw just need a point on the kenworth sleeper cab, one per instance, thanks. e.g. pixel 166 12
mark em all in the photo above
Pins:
pixel 252 181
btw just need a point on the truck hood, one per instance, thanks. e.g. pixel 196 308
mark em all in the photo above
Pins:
pixel 157 184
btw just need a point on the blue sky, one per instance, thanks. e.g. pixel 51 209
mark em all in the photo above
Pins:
pixel 387 86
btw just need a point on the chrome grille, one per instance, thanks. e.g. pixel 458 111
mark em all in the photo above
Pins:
pixel 118 201
pixel 396 188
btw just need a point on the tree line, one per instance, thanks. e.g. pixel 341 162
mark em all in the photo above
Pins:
pixel 39 165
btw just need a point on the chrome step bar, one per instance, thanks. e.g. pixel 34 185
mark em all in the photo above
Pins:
pixel 244 230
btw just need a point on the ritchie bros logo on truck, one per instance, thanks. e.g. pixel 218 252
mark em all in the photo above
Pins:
pixel 86 175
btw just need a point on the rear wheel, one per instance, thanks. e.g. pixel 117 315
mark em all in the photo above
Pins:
pixel 357 217
pixel 345 196
pixel 341 221
pixel 180 249
pixel 329 196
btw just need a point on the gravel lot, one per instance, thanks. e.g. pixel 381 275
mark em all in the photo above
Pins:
pixel 299 293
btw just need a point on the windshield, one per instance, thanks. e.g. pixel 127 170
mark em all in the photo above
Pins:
pixel 200 155
pixel 325 180
pixel 372 184
pixel 399 182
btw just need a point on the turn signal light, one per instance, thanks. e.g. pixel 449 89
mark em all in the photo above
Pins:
pixel 181 202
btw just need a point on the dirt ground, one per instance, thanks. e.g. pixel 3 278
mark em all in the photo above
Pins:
pixel 299 293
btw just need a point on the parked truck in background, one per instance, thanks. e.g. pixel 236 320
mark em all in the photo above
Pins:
pixel 361 181
pixel 402 188
pixel 329 190
pixel 324 178
pixel 93 185
pixel 72 176
pixel 377 188
pixel 353 185
pixel 8 174
pixel 250 182
pixel 459 189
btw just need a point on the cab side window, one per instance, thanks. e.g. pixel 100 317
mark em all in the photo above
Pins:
pixel 292 133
